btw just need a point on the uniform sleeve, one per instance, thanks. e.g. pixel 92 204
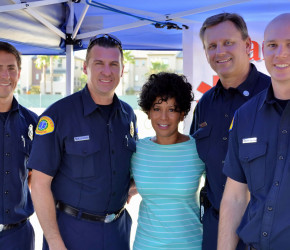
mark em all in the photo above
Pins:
pixel 195 120
pixel 46 150
pixel 233 167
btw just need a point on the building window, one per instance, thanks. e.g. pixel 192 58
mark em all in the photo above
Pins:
pixel 59 63
pixel 136 78
pixel 56 78
pixel 165 61
pixel 37 76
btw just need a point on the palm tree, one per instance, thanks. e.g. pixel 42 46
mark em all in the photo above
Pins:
pixel 128 57
pixel 42 62
pixel 158 67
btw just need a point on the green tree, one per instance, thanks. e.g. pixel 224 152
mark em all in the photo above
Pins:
pixel 157 67
pixel 83 79
pixel 42 62
pixel 128 57
pixel 35 90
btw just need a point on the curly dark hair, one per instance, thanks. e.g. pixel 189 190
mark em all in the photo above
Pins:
pixel 166 85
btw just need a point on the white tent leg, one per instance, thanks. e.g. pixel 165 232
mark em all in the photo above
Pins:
pixel 69 69
pixel 70 54
pixel 188 40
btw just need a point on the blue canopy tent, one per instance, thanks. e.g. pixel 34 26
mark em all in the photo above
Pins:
pixel 58 27
pixel 61 26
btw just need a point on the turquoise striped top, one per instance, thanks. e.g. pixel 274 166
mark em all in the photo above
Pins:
pixel 167 178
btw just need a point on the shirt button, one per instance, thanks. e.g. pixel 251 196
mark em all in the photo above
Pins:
pixel 7 211
pixel 7 135
pixel 226 115
pixel 7 172
pixel 113 151
pixel 270 208
pixel 246 93
pixel 281 157
pixel 223 162
pixel 7 154
pixel 284 131
pixel 225 138
pixel 6 192
pixel 276 183
pixel 265 234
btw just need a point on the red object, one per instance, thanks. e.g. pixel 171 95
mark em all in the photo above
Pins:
pixel 203 87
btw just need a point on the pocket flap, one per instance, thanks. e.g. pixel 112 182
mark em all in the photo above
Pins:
pixel 202 132
pixel 251 151
pixel 82 148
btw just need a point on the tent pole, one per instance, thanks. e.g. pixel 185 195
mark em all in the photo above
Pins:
pixel 187 47
pixel 24 5
pixel 69 53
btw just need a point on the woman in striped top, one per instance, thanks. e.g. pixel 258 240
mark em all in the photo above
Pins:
pixel 167 170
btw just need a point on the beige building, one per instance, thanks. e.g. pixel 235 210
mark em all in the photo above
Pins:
pixel 136 74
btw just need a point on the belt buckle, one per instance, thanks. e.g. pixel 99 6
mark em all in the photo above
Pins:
pixel 1 227
pixel 109 218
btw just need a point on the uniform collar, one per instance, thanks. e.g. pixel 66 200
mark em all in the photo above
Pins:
pixel 245 88
pixel 90 106
pixel 15 105
pixel 268 97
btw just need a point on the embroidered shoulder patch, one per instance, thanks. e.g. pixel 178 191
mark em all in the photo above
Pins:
pixel 44 126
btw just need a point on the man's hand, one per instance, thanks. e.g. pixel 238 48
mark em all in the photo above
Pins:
pixel 233 205
pixel 45 209
pixel 132 190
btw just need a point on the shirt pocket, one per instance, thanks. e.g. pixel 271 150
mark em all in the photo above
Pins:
pixel 202 138
pixel 80 158
pixel 253 159
pixel 129 143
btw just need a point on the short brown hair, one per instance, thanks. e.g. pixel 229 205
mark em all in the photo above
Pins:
pixel 106 41
pixel 7 47
pixel 236 19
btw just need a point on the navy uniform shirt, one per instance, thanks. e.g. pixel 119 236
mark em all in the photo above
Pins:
pixel 16 133
pixel 88 155
pixel 259 155
pixel 212 118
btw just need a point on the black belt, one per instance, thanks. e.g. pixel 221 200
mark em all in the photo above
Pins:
pixel 4 227
pixel 86 216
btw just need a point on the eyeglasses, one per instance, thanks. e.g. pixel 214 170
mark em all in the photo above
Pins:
pixel 107 36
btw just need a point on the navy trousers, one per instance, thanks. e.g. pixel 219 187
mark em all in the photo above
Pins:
pixel 19 238
pixel 90 235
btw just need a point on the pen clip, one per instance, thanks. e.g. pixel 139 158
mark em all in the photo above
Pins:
pixel 23 139
pixel 126 139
